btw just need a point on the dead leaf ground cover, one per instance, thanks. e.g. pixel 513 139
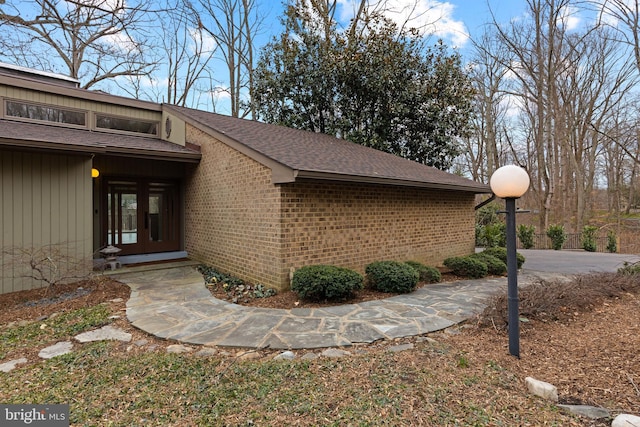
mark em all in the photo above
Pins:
pixel 462 377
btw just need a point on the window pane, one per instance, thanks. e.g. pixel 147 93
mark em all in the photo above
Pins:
pixel 45 113
pixel 128 125
pixel 122 216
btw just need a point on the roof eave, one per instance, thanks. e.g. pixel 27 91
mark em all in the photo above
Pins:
pixel 79 93
pixel 73 149
pixel 328 176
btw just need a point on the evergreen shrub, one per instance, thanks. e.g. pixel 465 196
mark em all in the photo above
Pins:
pixel 391 276
pixel 325 282
pixel 501 254
pixel 425 273
pixel 467 266
pixel 589 238
pixel 525 234
pixel 494 264
pixel 557 235
pixel 612 242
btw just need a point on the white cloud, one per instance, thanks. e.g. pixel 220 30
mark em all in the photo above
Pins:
pixel 569 18
pixel 609 12
pixel 154 82
pixel 122 41
pixel 430 17
pixel 209 44
pixel 220 93
pixel 512 105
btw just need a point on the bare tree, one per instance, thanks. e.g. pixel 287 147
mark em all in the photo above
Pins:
pixel 233 24
pixel 533 45
pixel 624 17
pixel 92 41
pixel 490 78
pixel 570 82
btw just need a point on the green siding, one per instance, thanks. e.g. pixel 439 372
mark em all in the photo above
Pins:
pixel 46 200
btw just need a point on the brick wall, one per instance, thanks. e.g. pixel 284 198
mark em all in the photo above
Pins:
pixel 232 213
pixel 239 222
pixel 352 225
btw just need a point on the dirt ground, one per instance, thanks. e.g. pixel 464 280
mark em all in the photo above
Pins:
pixel 591 355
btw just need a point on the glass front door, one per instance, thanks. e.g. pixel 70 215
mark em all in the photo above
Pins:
pixel 142 216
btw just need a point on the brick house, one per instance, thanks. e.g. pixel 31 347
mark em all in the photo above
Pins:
pixel 254 200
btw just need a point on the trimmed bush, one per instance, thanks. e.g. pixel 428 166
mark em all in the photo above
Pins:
pixel 501 254
pixel 494 264
pixel 589 238
pixel 325 282
pixel 467 266
pixel 391 276
pixel 557 235
pixel 425 273
pixel 526 234
pixel 612 242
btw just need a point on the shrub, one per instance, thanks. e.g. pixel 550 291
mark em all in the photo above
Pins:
pixel 560 299
pixel 467 266
pixel 612 242
pixel 501 254
pixel 630 269
pixel 325 282
pixel 557 235
pixel 589 238
pixel 425 273
pixel 494 264
pixel 487 216
pixel 495 234
pixel 525 234
pixel 480 241
pixel 391 276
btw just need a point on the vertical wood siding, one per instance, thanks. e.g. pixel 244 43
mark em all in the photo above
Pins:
pixel 46 200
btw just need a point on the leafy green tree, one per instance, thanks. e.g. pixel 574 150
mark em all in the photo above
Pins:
pixel 374 85
pixel 295 79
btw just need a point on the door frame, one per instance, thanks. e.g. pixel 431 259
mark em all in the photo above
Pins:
pixel 171 226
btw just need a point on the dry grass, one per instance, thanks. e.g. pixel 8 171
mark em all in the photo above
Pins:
pixel 462 377
pixel 559 300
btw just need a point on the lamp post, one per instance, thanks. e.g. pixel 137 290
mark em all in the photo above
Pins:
pixel 510 183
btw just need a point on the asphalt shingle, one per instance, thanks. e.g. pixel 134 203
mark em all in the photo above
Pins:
pixel 17 133
pixel 318 153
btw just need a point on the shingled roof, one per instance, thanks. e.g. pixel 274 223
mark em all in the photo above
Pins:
pixel 35 135
pixel 309 155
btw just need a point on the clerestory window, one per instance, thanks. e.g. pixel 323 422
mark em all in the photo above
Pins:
pixel 125 124
pixel 45 113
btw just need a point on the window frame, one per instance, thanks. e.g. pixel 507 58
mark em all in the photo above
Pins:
pixel 121 131
pixel 4 111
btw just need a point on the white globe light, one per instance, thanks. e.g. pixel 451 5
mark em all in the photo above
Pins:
pixel 509 182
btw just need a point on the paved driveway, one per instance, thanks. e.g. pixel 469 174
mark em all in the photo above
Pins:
pixel 573 262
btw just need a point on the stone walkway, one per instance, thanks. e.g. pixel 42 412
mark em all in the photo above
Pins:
pixel 175 304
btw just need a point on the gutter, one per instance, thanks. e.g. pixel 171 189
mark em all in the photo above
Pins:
pixel 53 147
pixel 486 202
pixel 300 174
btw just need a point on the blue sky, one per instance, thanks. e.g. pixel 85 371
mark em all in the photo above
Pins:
pixel 453 20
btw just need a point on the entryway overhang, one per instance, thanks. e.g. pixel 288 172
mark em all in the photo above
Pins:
pixel 56 139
